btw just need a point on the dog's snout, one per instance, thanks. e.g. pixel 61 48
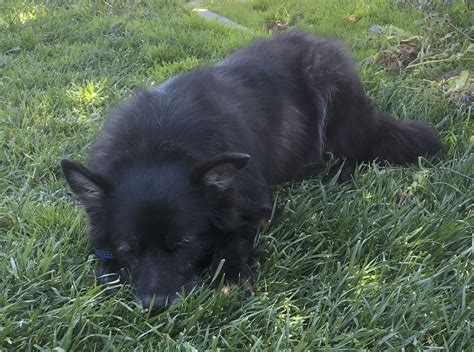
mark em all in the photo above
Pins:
pixel 155 301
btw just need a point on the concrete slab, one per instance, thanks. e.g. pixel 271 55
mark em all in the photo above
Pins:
pixel 215 16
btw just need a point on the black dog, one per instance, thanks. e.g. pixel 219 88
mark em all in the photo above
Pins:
pixel 180 176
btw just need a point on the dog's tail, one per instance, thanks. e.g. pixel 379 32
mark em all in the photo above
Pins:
pixel 379 136
pixel 401 141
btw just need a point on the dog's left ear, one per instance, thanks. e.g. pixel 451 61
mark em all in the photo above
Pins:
pixel 219 172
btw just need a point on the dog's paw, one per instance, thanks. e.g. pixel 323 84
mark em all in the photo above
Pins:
pixel 245 285
pixel 104 279
pixel 109 272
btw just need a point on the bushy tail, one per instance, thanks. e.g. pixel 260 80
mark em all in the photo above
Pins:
pixel 402 141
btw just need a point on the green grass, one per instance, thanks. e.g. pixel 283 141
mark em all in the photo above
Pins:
pixel 382 263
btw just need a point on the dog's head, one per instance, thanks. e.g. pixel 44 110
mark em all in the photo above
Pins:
pixel 159 219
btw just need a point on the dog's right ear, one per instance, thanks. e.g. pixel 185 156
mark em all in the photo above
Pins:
pixel 219 172
pixel 90 188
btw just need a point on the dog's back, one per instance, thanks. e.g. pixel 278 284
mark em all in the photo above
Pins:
pixel 256 101
pixel 284 101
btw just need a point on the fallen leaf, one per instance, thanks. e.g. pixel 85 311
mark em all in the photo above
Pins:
pixel 276 26
pixel 458 82
pixel 352 18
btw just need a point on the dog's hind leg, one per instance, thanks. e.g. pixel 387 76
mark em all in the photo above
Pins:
pixel 371 135
pixel 349 126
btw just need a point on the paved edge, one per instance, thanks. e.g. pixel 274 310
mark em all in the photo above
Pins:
pixel 209 15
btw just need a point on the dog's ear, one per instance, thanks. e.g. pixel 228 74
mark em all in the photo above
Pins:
pixel 90 188
pixel 219 173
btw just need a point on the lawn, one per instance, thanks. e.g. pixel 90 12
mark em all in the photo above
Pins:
pixel 381 263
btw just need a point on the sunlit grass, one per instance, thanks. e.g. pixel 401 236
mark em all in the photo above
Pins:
pixel 382 263
pixel 88 94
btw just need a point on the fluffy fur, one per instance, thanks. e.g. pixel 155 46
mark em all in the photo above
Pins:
pixel 179 178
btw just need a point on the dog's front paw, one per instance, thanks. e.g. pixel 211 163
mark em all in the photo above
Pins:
pixel 230 264
pixel 247 286
pixel 109 271
pixel 228 277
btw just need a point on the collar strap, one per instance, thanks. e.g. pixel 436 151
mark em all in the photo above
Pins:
pixel 103 253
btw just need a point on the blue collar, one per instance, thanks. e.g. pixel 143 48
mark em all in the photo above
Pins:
pixel 103 253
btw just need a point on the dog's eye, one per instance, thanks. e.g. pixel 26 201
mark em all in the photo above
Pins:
pixel 184 241
pixel 126 255
pixel 124 249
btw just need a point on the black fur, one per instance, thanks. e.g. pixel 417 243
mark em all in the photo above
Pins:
pixel 179 178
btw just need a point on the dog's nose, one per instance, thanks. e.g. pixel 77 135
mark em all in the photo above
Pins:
pixel 154 301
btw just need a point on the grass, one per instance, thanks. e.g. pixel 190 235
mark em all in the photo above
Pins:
pixel 383 263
